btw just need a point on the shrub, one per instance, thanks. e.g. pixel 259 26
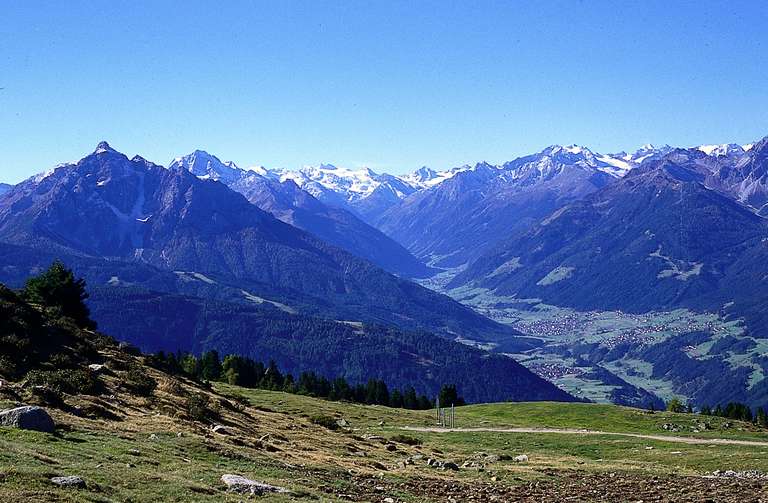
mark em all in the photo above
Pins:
pixel 197 405
pixel 675 405
pixel 405 439
pixel 325 421
pixel 138 382
pixel 70 381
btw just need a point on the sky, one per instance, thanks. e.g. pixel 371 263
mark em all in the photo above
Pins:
pixel 389 85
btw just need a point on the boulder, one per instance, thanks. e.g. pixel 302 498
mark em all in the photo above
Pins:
pixel 221 430
pixel 69 481
pixel 522 458
pixel 240 484
pixel 29 417
pixel 449 465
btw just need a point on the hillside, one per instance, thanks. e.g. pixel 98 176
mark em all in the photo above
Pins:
pixel 132 432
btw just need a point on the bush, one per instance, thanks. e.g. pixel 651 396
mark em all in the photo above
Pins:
pixel 405 439
pixel 197 407
pixel 138 382
pixel 70 381
pixel 325 421
pixel 675 405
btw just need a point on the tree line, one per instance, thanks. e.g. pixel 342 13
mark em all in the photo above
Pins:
pixel 733 410
pixel 248 373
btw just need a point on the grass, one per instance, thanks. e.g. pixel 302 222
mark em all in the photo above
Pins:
pixel 274 440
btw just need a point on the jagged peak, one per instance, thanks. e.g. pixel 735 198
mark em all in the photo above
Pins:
pixel 103 147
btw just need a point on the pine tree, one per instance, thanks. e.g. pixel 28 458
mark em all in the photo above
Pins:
pixel 761 418
pixel 210 366
pixel 450 396
pixel 58 289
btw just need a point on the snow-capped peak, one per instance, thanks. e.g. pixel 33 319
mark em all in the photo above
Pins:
pixel 725 149
pixel 103 147
pixel 206 166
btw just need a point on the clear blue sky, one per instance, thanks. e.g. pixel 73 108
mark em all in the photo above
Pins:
pixel 392 85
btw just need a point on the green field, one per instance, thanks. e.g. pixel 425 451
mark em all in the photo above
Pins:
pixel 317 463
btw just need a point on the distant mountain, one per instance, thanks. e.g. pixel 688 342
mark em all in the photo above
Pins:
pixel 659 239
pixel 742 174
pixel 4 187
pixel 286 201
pixel 108 211
pixel 457 220
pixel 654 239
pixel 362 191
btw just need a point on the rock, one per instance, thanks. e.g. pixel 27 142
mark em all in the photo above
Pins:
pixel 221 430
pixel 28 417
pixel 388 500
pixel 153 437
pixel 96 368
pixel 381 423
pixel 522 458
pixel 134 452
pixel 449 465
pixel 69 481
pixel 240 484
pixel 129 348
pixel 391 447
pixel 342 423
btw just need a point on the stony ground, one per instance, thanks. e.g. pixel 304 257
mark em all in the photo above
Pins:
pixel 565 486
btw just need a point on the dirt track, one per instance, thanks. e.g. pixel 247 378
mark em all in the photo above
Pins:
pixel 662 438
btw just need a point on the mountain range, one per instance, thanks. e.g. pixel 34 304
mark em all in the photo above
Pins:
pixel 166 252
pixel 629 277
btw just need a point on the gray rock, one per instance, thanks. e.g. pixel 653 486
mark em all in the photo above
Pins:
pixel 240 484
pixel 28 417
pixel 343 423
pixel 221 430
pixel 69 481
pixel 96 368
pixel 522 458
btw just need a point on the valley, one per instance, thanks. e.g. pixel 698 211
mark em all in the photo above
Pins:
pixel 565 331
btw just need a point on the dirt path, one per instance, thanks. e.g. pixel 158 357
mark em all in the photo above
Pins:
pixel 662 438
